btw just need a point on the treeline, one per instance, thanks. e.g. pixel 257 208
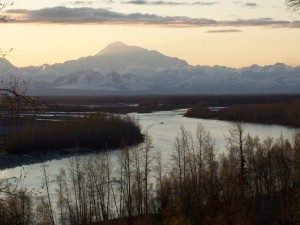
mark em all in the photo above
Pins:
pixel 170 100
pixel 254 182
pixel 100 131
pixel 150 103
pixel 286 114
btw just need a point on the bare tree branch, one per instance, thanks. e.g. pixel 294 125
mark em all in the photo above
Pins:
pixel 293 5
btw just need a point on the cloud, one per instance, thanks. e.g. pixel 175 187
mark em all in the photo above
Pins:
pixel 204 3
pixel 64 15
pixel 247 4
pixel 136 2
pixel 250 5
pixel 82 3
pixel 224 31
pixel 88 3
pixel 169 3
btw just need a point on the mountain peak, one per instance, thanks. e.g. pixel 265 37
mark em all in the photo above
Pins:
pixel 115 47
pixel 117 44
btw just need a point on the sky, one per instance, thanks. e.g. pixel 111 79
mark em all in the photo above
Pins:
pixel 233 33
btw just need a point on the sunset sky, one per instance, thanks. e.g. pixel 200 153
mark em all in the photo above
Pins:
pixel 210 32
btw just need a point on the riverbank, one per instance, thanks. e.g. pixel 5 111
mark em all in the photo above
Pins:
pixel 284 114
pixel 8 160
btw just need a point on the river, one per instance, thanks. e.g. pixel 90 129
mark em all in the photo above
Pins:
pixel 163 127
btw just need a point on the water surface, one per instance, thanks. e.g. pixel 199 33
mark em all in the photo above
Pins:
pixel 163 127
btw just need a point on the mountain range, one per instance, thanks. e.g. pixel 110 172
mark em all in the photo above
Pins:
pixel 123 69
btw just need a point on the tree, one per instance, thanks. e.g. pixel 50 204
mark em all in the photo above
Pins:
pixel 293 5
pixel 236 144
pixel 236 141
pixel 46 201
pixel 15 203
pixel 14 97
pixel 13 91
pixel 296 146
pixel 3 19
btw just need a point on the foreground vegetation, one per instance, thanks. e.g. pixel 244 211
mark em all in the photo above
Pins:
pixel 286 114
pixel 254 182
pixel 98 131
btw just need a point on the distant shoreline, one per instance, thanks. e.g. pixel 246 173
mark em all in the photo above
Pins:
pixel 283 114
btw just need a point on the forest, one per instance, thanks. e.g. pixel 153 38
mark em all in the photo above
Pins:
pixel 254 182
pixel 286 114
pixel 95 131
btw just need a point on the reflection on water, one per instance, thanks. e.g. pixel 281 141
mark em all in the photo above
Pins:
pixel 162 127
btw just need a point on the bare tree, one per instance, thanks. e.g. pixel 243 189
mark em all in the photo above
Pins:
pixel 296 146
pixel 3 19
pixel 13 90
pixel 4 53
pixel 15 203
pixel 236 141
pixel 14 97
pixel 47 200
pixel 293 5
pixel 181 154
pixel 148 160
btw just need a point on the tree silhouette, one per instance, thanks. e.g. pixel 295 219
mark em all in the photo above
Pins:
pixel 13 90
pixel 293 5
pixel 3 19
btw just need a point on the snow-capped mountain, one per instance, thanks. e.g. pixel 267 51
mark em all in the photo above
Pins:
pixel 120 68
pixel 121 58
pixel 95 81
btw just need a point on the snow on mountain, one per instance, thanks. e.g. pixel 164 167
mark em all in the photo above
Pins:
pixel 118 47
pixel 95 81
pixel 5 64
pixel 123 59
pixel 120 68
pixel 6 68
